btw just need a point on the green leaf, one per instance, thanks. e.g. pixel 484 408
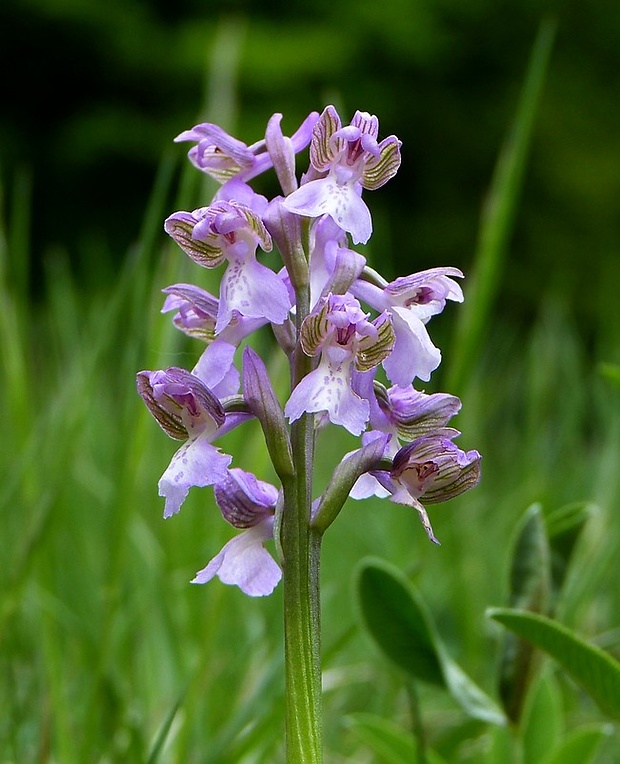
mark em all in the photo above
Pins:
pixel 397 618
pixel 581 746
pixel 501 746
pixel 466 692
pixel 596 671
pixel 162 734
pixel 530 577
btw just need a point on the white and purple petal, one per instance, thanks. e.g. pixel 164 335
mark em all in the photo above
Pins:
pixel 216 369
pixel 196 463
pixel 244 562
pixel 328 388
pixel 336 196
pixel 413 355
pixel 254 291
pixel 426 292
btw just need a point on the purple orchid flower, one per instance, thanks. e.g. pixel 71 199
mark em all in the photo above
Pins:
pixel 316 307
pixel 248 503
pixel 230 231
pixel 223 157
pixel 187 410
pixel 402 412
pixel 196 316
pixel 351 159
pixel 411 301
pixel 340 331
pixel 431 469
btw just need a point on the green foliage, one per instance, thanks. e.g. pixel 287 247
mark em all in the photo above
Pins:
pixel 581 746
pixel 596 671
pixel 400 624
pixel 543 722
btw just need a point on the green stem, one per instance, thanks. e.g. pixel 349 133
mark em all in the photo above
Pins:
pixel 301 549
pixel 416 720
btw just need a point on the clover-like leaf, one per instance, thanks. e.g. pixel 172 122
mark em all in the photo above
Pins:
pixel 398 620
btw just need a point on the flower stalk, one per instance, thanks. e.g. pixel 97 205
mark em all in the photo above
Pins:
pixel 301 548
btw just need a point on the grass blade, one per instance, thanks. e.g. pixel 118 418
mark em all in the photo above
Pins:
pixel 499 213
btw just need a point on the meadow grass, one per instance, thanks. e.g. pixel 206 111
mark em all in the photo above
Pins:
pixel 108 654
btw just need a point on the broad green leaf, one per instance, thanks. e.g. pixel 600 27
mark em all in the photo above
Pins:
pixel 397 618
pixel 530 577
pixel 581 746
pixel 596 671
pixel 500 747
pixel 543 720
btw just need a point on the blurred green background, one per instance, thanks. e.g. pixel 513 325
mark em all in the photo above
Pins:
pixel 94 92
pixel 104 646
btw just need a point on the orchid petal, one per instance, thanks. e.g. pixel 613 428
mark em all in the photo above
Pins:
pixel 380 169
pixel 215 368
pixel 322 150
pixel 254 291
pixel 328 388
pixel 413 355
pixel 244 562
pixel 196 463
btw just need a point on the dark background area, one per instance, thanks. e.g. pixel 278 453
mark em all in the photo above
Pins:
pixel 94 92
